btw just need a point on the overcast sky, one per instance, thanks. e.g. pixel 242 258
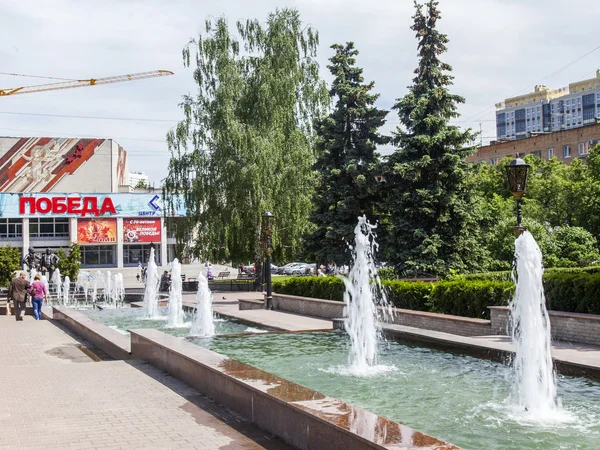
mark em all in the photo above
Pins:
pixel 498 48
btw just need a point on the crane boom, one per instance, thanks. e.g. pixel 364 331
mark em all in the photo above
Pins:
pixel 81 83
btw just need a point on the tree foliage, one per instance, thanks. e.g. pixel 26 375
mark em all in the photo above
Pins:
pixel 433 227
pixel 560 208
pixel 347 162
pixel 10 262
pixel 69 264
pixel 245 144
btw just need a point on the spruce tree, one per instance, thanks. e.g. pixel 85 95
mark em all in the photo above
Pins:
pixel 429 201
pixel 347 164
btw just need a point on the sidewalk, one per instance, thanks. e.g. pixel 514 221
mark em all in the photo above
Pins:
pixel 59 392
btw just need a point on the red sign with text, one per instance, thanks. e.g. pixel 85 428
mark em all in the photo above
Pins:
pixel 66 205
pixel 141 230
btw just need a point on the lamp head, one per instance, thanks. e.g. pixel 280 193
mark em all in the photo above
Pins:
pixel 516 173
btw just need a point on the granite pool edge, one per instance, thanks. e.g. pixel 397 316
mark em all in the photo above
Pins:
pixel 307 419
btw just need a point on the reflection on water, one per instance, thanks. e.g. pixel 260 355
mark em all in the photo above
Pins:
pixel 460 399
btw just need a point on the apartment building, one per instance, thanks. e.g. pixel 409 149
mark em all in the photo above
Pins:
pixel 546 111
pixel 565 146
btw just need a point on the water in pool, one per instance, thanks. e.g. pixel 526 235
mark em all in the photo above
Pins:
pixel 461 399
pixel 124 319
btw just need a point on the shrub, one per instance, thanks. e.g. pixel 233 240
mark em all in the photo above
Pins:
pixel 69 264
pixel 573 292
pixel 327 288
pixel 408 294
pixel 470 298
pixel 387 273
pixel 10 262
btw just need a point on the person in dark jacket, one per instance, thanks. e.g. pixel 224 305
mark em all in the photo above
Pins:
pixel 17 293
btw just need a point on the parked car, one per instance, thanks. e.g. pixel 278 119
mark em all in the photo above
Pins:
pixel 290 268
pixel 280 269
pixel 304 269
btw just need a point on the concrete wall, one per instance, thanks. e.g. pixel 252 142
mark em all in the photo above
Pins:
pixel 328 309
pixel 564 326
pixel 305 418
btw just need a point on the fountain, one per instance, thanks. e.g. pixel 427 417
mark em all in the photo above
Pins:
pixel 44 280
pixel 118 290
pixel 57 281
pixel 83 283
pixel 362 298
pixel 32 274
pixel 175 296
pixel 108 293
pixel 151 291
pixel 65 290
pixel 97 283
pixel 203 320
pixel 535 382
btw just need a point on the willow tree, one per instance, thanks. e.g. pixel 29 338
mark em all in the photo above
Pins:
pixel 347 163
pixel 245 144
pixel 430 201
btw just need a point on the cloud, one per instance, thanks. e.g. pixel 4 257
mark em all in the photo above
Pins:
pixel 497 48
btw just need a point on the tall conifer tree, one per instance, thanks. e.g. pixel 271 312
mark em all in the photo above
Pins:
pixel 347 163
pixel 429 201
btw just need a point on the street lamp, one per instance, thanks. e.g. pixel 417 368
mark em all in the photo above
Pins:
pixel 516 173
pixel 267 231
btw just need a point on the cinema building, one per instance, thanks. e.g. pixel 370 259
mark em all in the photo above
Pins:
pixel 58 191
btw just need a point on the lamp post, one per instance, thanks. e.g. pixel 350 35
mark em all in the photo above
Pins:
pixel 267 230
pixel 516 173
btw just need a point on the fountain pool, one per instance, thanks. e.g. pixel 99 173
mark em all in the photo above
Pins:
pixel 457 398
pixel 124 319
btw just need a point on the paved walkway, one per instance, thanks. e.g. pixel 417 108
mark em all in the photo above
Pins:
pixel 226 304
pixel 58 392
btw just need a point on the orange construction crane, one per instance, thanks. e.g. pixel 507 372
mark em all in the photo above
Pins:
pixel 81 83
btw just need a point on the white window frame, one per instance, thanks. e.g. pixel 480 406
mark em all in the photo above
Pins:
pixel 566 151
pixel 550 153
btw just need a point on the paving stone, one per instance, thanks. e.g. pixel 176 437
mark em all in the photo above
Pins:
pixel 53 395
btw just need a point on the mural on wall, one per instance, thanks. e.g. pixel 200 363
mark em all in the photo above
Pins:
pixel 122 172
pixel 93 231
pixel 38 164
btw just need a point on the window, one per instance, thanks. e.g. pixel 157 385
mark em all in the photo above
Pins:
pixel 134 254
pixel 494 161
pixel 49 227
pixel 567 151
pixel 98 255
pixel 11 228
pixel 550 153
pixel 581 148
pixel 537 153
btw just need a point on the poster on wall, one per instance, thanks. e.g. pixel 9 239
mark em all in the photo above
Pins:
pixel 141 230
pixel 94 231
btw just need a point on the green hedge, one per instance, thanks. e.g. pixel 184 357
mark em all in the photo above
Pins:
pixel 573 292
pixel 506 274
pixel 470 298
pixel 464 298
pixel 570 290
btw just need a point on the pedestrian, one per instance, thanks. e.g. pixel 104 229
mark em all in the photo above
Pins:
pixel 17 292
pixel 209 273
pixel 38 294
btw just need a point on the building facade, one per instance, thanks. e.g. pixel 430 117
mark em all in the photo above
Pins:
pixel 56 191
pixel 546 111
pixel 135 178
pixel 565 146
